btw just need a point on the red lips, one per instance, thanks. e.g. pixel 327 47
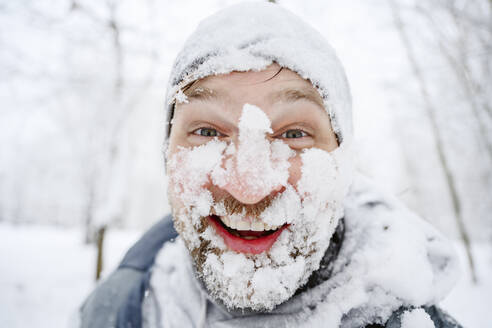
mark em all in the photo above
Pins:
pixel 241 245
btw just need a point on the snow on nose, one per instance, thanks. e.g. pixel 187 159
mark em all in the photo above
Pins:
pixel 256 167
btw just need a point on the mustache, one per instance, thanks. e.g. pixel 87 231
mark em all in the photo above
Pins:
pixel 233 206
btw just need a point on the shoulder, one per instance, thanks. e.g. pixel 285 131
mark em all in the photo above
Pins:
pixel 116 301
pixel 141 256
pixel 103 306
pixel 398 259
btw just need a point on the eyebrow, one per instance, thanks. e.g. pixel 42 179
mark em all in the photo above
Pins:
pixel 194 92
pixel 292 95
pixel 201 93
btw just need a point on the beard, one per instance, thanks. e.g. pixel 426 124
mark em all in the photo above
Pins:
pixel 310 211
pixel 258 281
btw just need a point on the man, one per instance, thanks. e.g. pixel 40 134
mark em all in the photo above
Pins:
pixel 274 227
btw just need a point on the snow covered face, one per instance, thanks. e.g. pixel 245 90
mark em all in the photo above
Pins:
pixel 256 183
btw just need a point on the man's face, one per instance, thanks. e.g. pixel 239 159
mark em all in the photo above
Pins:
pixel 255 184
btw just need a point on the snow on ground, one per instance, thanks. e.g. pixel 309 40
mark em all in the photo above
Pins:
pixel 46 272
pixel 470 303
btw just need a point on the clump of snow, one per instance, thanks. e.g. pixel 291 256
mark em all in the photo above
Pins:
pixel 390 258
pixel 170 273
pixel 332 178
pixel 417 318
pixel 180 97
pixel 190 168
pixel 257 166
pixel 283 209
pixel 190 172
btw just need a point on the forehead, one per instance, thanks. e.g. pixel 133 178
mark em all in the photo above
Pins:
pixel 253 77
pixel 263 88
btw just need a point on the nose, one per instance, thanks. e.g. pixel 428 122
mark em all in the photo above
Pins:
pixel 251 173
pixel 249 190
pixel 250 176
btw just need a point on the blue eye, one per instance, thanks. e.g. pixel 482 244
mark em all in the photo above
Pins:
pixel 207 132
pixel 294 134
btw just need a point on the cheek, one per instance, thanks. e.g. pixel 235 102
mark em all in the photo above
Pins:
pixel 175 185
pixel 295 170
pixel 174 200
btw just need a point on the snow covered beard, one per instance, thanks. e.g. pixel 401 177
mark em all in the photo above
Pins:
pixel 307 213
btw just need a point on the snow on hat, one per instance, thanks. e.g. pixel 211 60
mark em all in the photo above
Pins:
pixel 251 36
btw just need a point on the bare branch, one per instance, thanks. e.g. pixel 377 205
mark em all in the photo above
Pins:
pixel 463 76
pixel 430 110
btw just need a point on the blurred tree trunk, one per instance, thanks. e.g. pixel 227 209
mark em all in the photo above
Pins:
pixel 100 248
pixel 437 135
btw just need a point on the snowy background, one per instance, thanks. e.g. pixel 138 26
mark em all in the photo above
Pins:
pixel 82 87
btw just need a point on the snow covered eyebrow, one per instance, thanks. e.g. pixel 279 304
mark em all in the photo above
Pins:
pixel 292 95
pixel 203 93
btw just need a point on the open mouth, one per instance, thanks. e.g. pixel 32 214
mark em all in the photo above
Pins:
pixel 242 237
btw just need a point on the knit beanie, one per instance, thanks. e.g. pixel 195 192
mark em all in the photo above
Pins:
pixel 253 35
